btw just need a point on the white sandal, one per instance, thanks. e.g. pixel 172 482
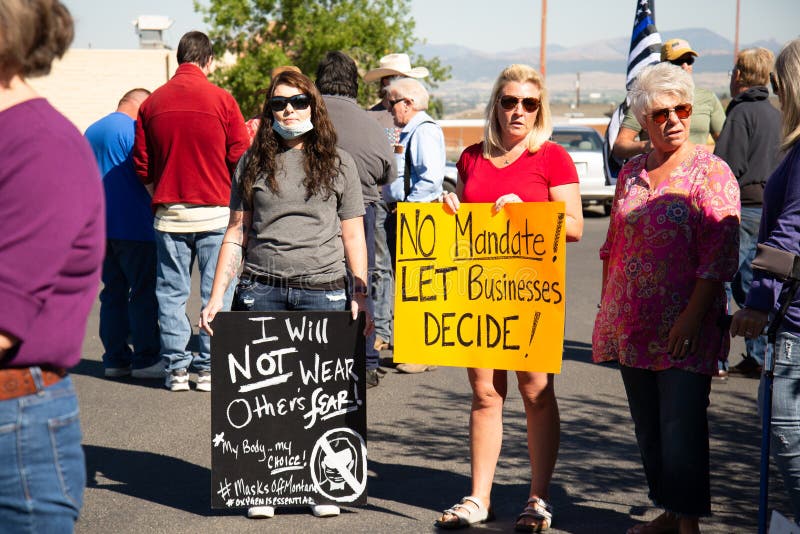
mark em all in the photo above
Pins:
pixel 466 515
pixel 538 510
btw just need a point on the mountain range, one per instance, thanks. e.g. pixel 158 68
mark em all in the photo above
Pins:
pixel 609 55
pixel 599 65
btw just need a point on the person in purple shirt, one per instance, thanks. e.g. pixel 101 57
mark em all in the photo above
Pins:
pixel 128 306
pixel 51 250
pixel 780 228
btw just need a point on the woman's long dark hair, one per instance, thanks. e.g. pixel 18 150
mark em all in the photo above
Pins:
pixel 322 163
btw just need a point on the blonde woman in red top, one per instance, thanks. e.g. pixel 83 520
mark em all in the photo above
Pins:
pixel 515 163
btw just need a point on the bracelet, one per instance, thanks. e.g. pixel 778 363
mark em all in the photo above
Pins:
pixel 233 243
pixel 360 290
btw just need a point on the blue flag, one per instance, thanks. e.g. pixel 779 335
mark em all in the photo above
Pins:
pixel 645 50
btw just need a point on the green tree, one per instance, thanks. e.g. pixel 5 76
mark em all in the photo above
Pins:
pixel 262 34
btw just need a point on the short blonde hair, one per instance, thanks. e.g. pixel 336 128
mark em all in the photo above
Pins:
pixel 411 89
pixel 754 66
pixel 656 81
pixel 542 126
pixel 787 68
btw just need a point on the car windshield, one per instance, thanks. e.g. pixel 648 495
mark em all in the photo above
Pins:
pixel 577 141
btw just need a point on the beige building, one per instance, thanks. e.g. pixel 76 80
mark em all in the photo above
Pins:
pixel 86 84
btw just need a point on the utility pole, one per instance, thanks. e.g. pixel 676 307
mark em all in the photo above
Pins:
pixel 577 90
pixel 543 43
pixel 736 38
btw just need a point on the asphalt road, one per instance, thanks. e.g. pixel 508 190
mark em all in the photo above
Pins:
pixel 148 450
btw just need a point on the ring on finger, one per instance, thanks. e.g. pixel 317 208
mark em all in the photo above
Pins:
pixel 686 343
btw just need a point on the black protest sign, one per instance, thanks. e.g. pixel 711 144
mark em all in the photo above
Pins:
pixel 288 409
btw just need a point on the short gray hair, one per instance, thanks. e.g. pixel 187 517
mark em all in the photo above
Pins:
pixel 411 89
pixel 656 81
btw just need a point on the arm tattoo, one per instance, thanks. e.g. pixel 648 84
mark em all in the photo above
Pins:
pixel 233 266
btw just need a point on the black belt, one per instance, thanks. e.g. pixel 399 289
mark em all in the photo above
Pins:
pixel 275 281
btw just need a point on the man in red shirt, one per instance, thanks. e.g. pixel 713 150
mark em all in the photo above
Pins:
pixel 189 137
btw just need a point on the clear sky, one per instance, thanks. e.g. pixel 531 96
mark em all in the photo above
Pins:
pixel 490 26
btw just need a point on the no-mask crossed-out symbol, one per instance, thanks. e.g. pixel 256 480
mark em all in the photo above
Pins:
pixel 338 465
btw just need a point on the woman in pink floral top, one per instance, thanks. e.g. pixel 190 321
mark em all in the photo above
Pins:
pixel 672 243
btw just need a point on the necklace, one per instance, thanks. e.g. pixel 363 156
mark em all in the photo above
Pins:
pixel 506 160
pixel 507 157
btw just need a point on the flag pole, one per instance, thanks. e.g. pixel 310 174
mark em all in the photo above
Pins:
pixel 736 38
pixel 543 42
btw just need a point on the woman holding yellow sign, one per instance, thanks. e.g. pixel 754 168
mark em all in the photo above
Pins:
pixel 514 163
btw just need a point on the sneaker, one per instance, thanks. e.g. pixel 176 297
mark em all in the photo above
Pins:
pixel 203 381
pixel 722 375
pixel 156 370
pixel 260 512
pixel 373 379
pixel 414 368
pixel 117 372
pixel 178 380
pixel 748 368
pixel 325 510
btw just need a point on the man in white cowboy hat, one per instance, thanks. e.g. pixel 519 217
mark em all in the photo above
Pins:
pixel 392 67
pixel 395 65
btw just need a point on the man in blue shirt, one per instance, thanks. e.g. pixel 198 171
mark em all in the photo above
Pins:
pixel 420 154
pixel 421 161
pixel 128 306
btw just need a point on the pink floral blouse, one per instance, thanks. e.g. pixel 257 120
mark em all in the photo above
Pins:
pixel 659 242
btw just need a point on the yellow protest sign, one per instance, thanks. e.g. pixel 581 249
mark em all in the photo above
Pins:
pixel 477 289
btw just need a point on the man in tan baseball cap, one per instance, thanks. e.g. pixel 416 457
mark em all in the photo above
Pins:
pixel 708 116
pixel 678 52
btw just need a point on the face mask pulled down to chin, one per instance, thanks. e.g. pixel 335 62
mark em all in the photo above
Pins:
pixel 293 131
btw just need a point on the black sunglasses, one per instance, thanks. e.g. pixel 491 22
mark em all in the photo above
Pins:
pixel 773 81
pixel 688 60
pixel 530 104
pixel 278 103
pixel 393 103
pixel 660 116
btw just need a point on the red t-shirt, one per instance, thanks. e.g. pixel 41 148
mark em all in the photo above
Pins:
pixel 530 177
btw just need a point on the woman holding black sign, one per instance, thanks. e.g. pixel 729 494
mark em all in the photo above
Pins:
pixel 515 163
pixel 296 213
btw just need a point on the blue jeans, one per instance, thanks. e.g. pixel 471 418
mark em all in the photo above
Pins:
pixel 128 306
pixel 383 275
pixel 373 356
pixel 748 239
pixel 43 471
pixel 785 429
pixel 255 296
pixel 176 254
pixel 669 411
